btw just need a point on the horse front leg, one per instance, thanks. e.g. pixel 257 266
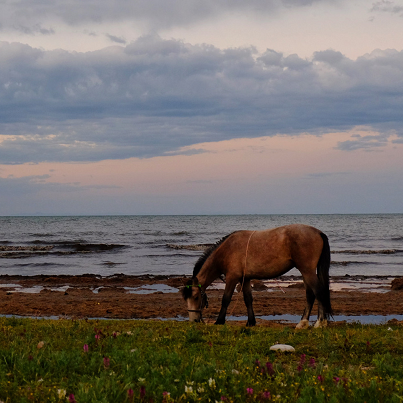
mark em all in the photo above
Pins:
pixel 226 299
pixel 247 297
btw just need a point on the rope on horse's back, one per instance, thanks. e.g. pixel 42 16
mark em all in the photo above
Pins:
pixel 243 274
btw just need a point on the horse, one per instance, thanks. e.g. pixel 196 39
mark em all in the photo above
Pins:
pixel 245 255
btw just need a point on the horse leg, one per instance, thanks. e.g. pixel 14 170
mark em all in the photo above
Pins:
pixel 247 297
pixel 226 299
pixel 310 299
pixel 312 282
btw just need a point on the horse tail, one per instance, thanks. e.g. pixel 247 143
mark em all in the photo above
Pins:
pixel 323 275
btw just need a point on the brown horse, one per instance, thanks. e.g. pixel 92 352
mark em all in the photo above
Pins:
pixel 246 255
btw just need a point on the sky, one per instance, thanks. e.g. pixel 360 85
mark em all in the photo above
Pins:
pixel 201 107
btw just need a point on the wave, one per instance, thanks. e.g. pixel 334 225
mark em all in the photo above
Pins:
pixel 197 246
pixel 367 252
pixel 59 248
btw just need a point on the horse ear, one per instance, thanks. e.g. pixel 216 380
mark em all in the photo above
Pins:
pixel 187 289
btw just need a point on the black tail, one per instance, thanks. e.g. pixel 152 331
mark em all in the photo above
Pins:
pixel 323 275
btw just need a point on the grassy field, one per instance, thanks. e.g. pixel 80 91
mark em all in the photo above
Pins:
pixel 148 361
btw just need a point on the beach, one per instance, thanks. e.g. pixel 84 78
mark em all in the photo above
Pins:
pixel 158 297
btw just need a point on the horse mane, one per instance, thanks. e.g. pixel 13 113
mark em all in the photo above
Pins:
pixel 202 259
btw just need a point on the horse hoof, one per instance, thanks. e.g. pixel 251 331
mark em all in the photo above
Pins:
pixel 320 323
pixel 303 324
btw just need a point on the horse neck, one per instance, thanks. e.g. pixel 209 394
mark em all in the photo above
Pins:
pixel 207 274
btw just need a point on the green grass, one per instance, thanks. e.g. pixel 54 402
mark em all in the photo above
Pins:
pixel 146 361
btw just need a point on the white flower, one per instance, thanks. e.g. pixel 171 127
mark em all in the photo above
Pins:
pixel 61 393
pixel 129 333
pixel 200 389
pixel 188 389
pixel 234 371
pixel 189 383
pixel 176 380
pixel 141 379
pixel 211 383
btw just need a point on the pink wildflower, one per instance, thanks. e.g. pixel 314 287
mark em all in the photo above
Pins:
pixel 299 368
pixel 223 398
pixel 97 337
pixel 85 348
pixel 249 391
pixel 266 395
pixel 320 378
pixel 302 359
pixel 142 391
pixel 270 369
pixel 336 379
pixel 312 363
pixel 72 399
pixel 130 393
pixel 106 362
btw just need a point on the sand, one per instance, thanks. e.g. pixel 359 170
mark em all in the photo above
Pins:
pixel 74 297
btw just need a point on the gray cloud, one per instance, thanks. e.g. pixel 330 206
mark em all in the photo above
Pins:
pixel 154 13
pixel 389 7
pixel 154 96
pixel 116 39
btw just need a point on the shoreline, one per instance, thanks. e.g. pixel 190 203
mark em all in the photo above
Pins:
pixel 150 297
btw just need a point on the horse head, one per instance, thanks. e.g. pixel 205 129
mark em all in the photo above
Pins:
pixel 195 298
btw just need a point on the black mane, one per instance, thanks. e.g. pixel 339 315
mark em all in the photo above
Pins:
pixel 202 259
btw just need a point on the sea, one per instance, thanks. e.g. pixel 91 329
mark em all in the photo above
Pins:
pixel 364 245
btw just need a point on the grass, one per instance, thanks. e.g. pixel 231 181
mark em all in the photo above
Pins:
pixel 147 361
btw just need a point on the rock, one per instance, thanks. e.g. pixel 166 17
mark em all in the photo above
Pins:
pixel 283 347
pixel 397 284
pixel 258 285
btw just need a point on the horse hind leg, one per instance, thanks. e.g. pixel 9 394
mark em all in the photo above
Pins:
pixel 310 299
pixel 247 297
pixel 312 282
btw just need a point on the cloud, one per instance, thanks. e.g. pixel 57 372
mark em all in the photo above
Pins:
pixel 390 7
pixel 156 14
pixel 154 97
pixel 116 39
pixel 367 143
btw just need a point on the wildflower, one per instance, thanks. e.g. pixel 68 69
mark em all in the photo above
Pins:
pixel 72 399
pixel 211 383
pixel 142 391
pixel 141 380
pixel 299 368
pixel 302 359
pixel 235 372
pixel 129 333
pixel 114 335
pixel 312 363
pixel 166 394
pixel 200 389
pixel 97 337
pixel 61 393
pixel 270 369
pixel 106 362
pixel 130 393
pixel 85 348
pixel 223 398
pixel 320 378
pixel 40 345
pixel 188 389
pixel 257 363
pixel 266 395
pixel 336 379
pixel 249 391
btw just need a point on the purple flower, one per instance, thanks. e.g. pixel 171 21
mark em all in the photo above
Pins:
pixel 299 368
pixel 320 378
pixel 270 369
pixel 336 379
pixel 312 363
pixel 302 359
pixel 249 391
pixel 130 393
pixel 85 348
pixel 266 395
pixel 106 362
pixel 223 398
pixel 72 399
pixel 257 363
pixel 142 391
pixel 97 337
